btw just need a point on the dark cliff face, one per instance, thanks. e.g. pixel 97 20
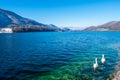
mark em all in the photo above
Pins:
pixel 18 23
pixel 110 26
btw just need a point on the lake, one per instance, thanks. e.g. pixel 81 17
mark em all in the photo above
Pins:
pixel 58 55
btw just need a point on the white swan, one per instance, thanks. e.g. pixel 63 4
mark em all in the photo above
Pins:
pixel 103 59
pixel 95 65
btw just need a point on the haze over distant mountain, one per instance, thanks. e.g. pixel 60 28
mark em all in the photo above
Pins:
pixel 110 26
pixel 20 24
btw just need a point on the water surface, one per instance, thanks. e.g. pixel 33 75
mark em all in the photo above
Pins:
pixel 58 55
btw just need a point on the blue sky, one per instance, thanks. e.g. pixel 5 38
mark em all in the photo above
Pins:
pixel 73 13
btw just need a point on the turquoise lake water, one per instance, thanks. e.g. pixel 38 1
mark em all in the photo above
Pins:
pixel 58 55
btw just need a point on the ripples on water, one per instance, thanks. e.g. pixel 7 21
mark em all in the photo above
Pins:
pixel 57 55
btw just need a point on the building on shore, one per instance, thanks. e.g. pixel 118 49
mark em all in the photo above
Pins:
pixel 6 30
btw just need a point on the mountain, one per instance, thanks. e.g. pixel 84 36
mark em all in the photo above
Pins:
pixel 21 24
pixel 52 26
pixel 64 29
pixel 110 26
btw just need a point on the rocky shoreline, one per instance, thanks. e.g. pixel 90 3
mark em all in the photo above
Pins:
pixel 117 76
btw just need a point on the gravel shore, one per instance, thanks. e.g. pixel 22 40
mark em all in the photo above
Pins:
pixel 117 76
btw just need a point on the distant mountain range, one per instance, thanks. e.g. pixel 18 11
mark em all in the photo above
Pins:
pixel 110 26
pixel 21 24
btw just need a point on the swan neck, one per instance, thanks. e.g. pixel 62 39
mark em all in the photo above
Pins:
pixel 96 61
pixel 102 56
